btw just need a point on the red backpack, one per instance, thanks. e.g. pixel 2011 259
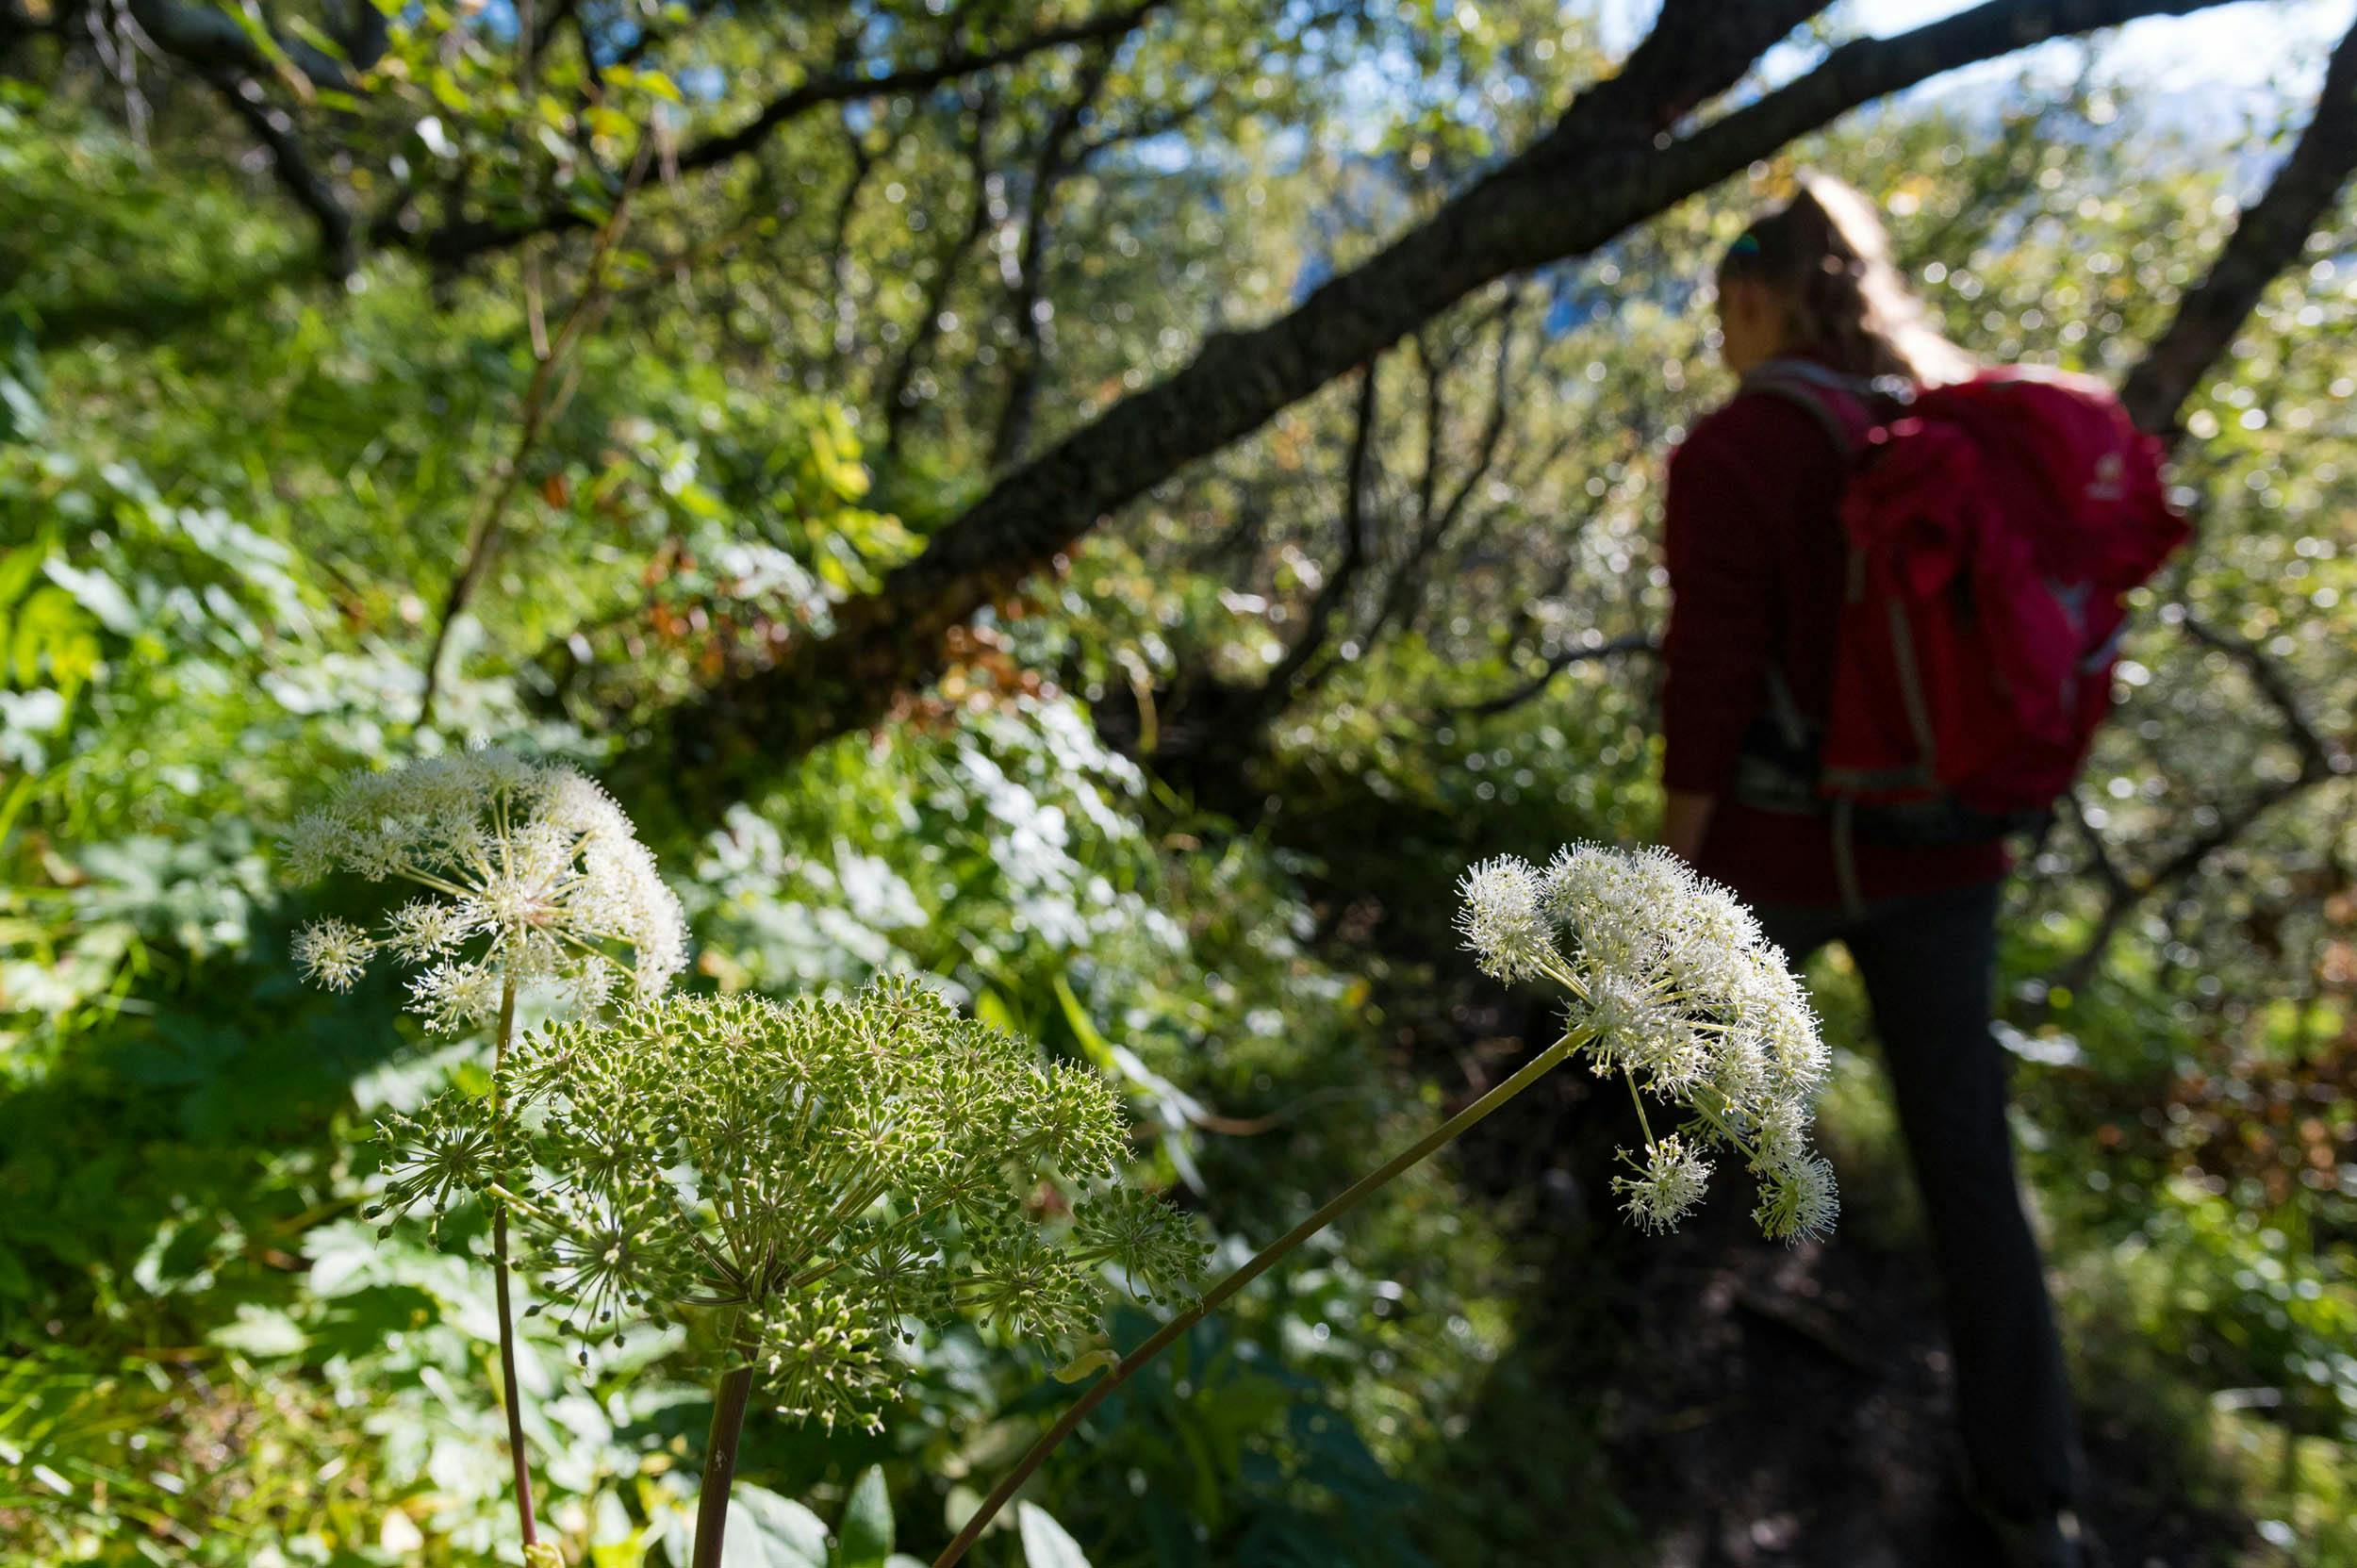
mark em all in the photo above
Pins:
pixel 1994 527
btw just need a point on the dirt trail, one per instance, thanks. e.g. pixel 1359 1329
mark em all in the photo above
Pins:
pixel 1765 1408
pixel 1792 1409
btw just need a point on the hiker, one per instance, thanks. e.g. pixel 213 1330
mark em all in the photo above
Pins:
pixel 1883 854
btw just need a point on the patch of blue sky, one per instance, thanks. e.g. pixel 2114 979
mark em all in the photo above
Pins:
pixel 2210 74
pixel 2263 44
pixel 2248 48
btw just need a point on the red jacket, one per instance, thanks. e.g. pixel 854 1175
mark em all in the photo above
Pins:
pixel 1756 565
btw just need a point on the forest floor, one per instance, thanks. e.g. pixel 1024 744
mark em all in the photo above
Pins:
pixel 1761 1407
pixel 1795 1409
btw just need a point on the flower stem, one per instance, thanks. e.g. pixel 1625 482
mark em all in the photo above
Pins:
pixel 1638 1101
pixel 510 1396
pixel 1341 1204
pixel 711 1495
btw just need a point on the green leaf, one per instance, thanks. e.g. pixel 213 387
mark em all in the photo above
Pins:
pixel 44 622
pixel 20 411
pixel 446 89
pixel 1098 1050
pixel 991 1009
pixel 260 1331
pixel 99 594
pixel 1081 1365
pixel 1047 1543
pixel 671 1520
pixel 765 1530
pixel 866 1539
pixel 18 568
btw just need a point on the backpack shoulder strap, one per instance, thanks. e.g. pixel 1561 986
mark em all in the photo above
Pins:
pixel 1849 408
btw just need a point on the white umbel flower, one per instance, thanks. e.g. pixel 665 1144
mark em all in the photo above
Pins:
pixel 1674 988
pixel 423 930
pixel 1800 1202
pixel 1668 1186
pixel 532 875
pixel 333 952
pixel 455 997
pixel 1503 921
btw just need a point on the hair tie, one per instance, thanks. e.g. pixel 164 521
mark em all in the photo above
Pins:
pixel 1745 244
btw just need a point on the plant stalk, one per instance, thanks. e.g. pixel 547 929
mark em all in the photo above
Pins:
pixel 1349 1199
pixel 712 1493
pixel 510 1397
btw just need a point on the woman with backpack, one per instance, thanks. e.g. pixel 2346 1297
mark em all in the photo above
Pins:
pixel 1829 343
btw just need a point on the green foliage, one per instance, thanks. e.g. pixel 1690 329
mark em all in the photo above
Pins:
pixel 232 508
pixel 822 1174
pixel 1259 1469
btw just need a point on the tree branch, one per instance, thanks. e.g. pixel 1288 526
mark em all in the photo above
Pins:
pixel 461 239
pixel 985 203
pixel 1600 171
pixel 200 37
pixel 2231 826
pixel 840 267
pixel 2115 881
pixel 2267 238
pixel 2318 751
pixel 2321 757
pixel 544 398
pixel 2270 236
pixel 212 44
pixel 1326 605
pixel 1027 289
pixel 1148 127
pixel 1514 696
pixel 1402 600
pixel 275 128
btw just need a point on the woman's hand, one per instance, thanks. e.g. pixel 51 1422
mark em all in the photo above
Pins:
pixel 1685 817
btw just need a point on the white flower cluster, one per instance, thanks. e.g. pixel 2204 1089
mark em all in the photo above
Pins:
pixel 533 875
pixel 1674 989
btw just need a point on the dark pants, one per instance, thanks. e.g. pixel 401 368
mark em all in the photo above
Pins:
pixel 1929 962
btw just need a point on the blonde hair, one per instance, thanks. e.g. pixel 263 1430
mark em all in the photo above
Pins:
pixel 1826 255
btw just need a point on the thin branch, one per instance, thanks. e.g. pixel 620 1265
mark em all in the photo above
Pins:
pixel 1242 538
pixel 2188 859
pixel 2318 751
pixel 985 203
pixel 461 239
pixel 1410 582
pixel 840 266
pixel 544 399
pixel 851 87
pixel 1026 293
pixel 1434 369
pixel 2321 758
pixel 275 128
pixel 1325 611
pixel 1162 122
pixel 2115 881
pixel 649 39
pixel 1634 643
pixel 200 37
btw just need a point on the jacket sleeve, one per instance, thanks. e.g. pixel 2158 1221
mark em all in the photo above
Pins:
pixel 1724 519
